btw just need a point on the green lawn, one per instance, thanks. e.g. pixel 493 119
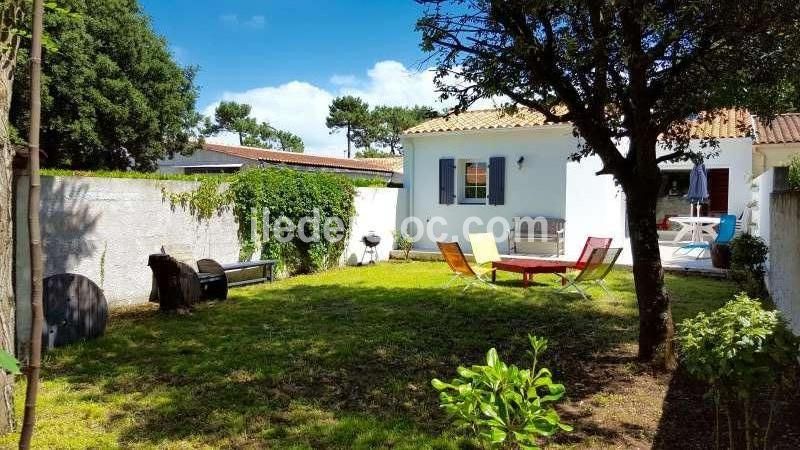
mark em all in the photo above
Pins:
pixel 344 359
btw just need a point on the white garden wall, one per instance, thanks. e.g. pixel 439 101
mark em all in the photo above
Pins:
pixel 105 229
pixel 784 270
pixel 376 211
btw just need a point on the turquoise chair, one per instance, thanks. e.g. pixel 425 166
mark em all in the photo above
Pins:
pixel 727 231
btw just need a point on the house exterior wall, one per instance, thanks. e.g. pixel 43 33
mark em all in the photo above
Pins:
pixel 547 184
pixel 766 157
pixel 764 186
pixel 538 188
pixel 734 155
pixel 595 206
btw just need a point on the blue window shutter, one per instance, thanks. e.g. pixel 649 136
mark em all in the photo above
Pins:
pixel 497 180
pixel 447 181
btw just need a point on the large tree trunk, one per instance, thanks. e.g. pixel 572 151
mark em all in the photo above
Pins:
pixel 655 314
pixel 10 14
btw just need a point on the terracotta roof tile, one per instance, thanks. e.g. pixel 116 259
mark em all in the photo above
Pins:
pixel 730 123
pixel 393 163
pixel 784 129
pixel 298 159
pixel 484 119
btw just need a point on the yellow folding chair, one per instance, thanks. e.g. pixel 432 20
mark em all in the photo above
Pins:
pixel 484 248
pixel 462 271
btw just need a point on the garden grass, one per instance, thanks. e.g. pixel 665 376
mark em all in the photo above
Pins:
pixel 344 359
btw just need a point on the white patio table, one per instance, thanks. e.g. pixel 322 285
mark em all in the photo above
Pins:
pixel 699 227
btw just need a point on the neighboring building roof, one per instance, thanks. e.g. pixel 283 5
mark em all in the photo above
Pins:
pixel 484 119
pixel 784 129
pixel 298 159
pixel 731 123
pixel 393 163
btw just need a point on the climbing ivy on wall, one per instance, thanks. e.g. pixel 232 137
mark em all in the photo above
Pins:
pixel 284 193
pixel 211 197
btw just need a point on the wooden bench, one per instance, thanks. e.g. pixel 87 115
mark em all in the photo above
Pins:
pixel 547 230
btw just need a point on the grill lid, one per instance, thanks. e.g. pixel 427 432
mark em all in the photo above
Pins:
pixel 371 239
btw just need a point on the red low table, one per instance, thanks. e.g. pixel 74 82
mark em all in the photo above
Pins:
pixel 529 267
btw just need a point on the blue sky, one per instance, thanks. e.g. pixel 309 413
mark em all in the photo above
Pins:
pixel 289 58
pixel 241 44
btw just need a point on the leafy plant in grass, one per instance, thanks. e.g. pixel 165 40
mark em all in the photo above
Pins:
pixel 745 353
pixel 748 259
pixel 403 243
pixel 8 363
pixel 503 405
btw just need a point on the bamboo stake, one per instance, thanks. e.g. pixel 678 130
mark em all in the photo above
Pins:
pixel 34 230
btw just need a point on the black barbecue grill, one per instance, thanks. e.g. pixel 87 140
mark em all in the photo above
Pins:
pixel 371 241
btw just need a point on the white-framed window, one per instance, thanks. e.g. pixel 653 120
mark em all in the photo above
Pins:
pixel 473 181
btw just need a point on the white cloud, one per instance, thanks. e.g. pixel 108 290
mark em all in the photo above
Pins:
pixel 301 107
pixel 256 22
pixel 344 80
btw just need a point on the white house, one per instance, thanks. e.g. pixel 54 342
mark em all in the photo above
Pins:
pixel 491 166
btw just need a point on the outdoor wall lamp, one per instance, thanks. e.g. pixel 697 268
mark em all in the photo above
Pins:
pixel 520 161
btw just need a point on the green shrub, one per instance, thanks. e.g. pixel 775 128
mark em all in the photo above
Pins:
pixel 284 193
pixel 502 404
pixel 748 259
pixel 404 243
pixel 794 172
pixel 368 182
pixel 744 353
pixel 294 195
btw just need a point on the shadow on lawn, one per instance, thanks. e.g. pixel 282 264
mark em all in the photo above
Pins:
pixel 688 419
pixel 244 367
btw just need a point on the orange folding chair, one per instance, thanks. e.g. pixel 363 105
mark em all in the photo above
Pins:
pixel 462 271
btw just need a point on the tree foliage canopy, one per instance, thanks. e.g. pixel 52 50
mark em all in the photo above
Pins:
pixel 350 114
pixel 392 121
pixel 382 125
pixel 618 69
pixel 235 118
pixel 113 97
